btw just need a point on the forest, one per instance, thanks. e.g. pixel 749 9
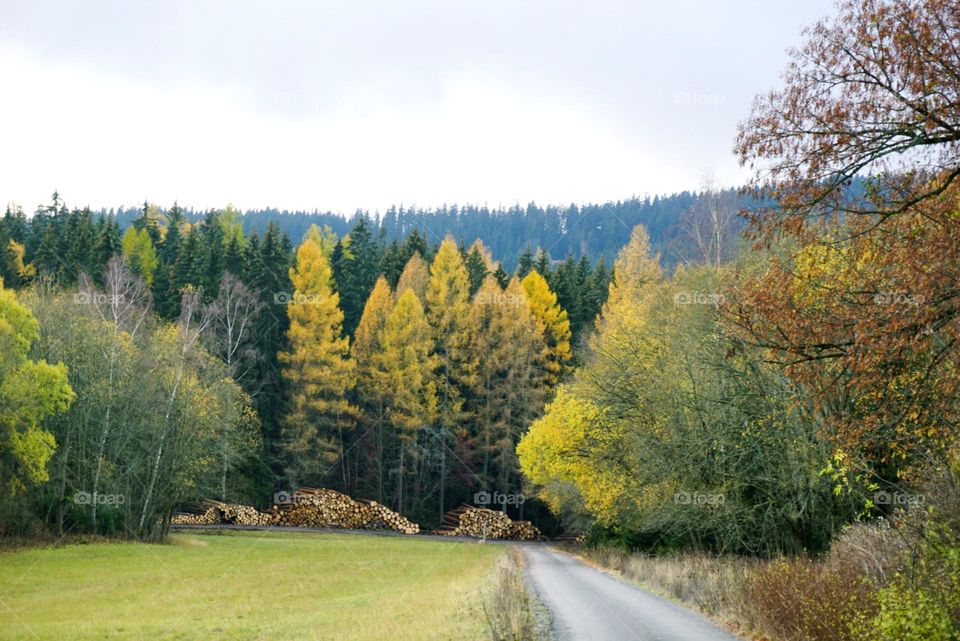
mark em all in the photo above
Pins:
pixel 283 366
pixel 763 379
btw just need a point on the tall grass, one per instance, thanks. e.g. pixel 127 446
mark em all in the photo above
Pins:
pixel 713 585
pixel 786 599
pixel 507 605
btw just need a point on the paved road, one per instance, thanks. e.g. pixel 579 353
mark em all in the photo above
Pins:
pixel 588 604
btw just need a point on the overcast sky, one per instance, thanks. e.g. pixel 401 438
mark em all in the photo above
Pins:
pixel 355 104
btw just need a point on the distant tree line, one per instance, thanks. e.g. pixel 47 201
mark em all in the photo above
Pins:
pixel 594 230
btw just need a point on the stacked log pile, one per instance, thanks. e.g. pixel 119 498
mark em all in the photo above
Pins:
pixel 214 512
pixel 309 507
pixel 483 523
pixel 320 507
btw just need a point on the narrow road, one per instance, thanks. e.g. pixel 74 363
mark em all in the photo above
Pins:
pixel 587 604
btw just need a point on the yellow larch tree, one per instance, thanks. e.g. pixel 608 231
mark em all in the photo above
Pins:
pixel 317 370
pixel 415 275
pixel 402 374
pixel 367 344
pixel 451 319
pixel 554 324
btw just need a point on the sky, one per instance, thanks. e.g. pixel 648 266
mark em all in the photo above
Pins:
pixel 337 106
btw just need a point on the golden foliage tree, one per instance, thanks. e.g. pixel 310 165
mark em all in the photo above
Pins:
pixel 415 276
pixel 317 370
pixel 554 324
pixel 512 382
pixel 365 350
pixel 402 374
pixel 454 330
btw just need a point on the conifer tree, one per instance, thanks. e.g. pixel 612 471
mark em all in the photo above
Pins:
pixel 392 263
pixel 318 373
pixel 525 264
pixel 403 375
pixel 453 325
pixel 415 276
pixel 512 381
pixel 139 252
pixel 107 245
pixel 356 271
pixel 366 345
pixel 554 324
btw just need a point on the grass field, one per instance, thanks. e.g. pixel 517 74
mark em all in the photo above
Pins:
pixel 245 586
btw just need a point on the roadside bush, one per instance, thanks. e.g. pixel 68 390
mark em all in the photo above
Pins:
pixel 801 599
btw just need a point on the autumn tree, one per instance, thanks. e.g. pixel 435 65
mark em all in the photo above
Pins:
pixel 553 323
pixel 512 380
pixel 138 249
pixel 372 397
pixel 874 93
pixel 403 375
pixel 30 391
pixel 859 149
pixel 415 276
pixel 317 370
pixel 453 329
pixel 676 434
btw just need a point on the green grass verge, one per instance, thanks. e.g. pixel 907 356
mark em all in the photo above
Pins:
pixel 246 586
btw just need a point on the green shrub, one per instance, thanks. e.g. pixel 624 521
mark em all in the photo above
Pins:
pixel 922 604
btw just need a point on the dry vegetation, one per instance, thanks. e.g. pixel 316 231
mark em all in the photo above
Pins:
pixel 507 604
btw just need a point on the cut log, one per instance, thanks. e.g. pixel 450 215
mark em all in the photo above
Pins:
pixel 480 522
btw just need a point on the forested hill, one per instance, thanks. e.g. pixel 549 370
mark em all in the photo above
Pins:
pixel 594 230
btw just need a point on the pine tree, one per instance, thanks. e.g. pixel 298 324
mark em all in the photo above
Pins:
pixel 476 269
pixel 416 243
pixel 317 371
pixel 357 271
pixel 392 263
pixel 107 246
pixel 568 290
pixel 543 265
pixel 502 277
pixel 525 263
pixel 233 262
pixel 213 250
pixel 553 323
